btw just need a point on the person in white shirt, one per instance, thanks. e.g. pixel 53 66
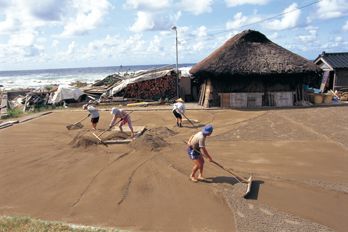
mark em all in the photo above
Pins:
pixel 95 114
pixel 179 107
pixel 118 113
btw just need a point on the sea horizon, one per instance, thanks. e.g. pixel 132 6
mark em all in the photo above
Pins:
pixel 39 78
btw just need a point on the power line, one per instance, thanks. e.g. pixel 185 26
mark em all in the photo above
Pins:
pixel 257 21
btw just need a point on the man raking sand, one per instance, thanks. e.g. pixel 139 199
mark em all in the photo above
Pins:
pixel 195 143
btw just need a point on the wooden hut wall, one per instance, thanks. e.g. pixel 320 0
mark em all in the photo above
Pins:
pixel 252 84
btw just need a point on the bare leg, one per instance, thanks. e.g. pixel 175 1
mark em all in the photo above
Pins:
pixel 201 162
pixel 199 166
pixel 132 133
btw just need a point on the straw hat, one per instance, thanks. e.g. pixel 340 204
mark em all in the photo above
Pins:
pixel 180 100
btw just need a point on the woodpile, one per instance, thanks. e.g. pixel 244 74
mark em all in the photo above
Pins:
pixel 31 100
pixel 163 87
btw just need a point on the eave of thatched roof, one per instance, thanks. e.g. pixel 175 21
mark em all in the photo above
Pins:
pixel 252 53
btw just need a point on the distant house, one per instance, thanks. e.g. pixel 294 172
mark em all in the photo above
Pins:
pixel 335 67
pixel 249 70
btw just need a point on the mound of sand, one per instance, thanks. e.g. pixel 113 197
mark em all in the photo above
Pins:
pixel 148 142
pixel 84 141
pixel 117 136
pixel 162 132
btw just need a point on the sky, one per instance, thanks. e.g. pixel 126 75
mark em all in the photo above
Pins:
pixel 50 34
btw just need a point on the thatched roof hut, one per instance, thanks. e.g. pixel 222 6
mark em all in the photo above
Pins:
pixel 250 62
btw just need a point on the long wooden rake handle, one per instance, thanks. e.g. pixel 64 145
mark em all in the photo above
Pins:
pixel 187 118
pixel 219 165
pixel 81 120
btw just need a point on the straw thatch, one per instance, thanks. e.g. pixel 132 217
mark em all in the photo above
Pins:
pixel 251 63
pixel 251 53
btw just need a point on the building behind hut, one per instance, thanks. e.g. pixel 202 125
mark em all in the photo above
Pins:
pixel 335 67
pixel 249 70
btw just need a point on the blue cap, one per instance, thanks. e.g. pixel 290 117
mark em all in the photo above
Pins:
pixel 207 129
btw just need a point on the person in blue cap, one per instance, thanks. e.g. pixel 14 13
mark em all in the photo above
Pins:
pixel 197 143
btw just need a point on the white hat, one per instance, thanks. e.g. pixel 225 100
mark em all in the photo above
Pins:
pixel 115 111
pixel 84 106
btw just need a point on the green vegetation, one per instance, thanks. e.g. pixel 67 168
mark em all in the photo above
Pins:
pixel 48 88
pixel 23 223
pixel 14 113
pixel 125 74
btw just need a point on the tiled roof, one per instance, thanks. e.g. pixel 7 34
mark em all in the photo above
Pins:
pixel 336 60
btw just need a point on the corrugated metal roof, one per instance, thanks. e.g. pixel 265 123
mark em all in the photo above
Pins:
pixel 335 60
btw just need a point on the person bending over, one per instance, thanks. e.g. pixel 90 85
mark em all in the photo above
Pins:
pixel 95 114
pixel 118 113
pixel 197 143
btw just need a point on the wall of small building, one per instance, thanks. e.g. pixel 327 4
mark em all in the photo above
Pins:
pixel 342 77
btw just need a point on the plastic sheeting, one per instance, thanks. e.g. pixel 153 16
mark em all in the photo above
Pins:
pixel 148 76
pixel 66 92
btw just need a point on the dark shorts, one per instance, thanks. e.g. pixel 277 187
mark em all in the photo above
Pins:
pixel 192 153
pixel 95 120
pixel 177 115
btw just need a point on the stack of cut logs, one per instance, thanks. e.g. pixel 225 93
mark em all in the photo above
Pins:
pixel 164 87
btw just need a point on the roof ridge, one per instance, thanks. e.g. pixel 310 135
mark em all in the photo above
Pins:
pixel 335 53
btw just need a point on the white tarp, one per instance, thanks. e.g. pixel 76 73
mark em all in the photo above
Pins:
pixel 66 92
pixel 148 76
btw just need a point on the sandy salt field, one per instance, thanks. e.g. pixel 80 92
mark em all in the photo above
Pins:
pixel 299 158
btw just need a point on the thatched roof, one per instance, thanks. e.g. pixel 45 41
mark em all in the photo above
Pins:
pixel 251 53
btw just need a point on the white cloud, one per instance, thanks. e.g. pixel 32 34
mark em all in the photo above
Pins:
pixel 78 16
pixel 233 3
pixel 327 9
pixel 21 40
pixel 345 27
pixel 41 39
pixel 198 46
pixel 148 5
pixel 197 7
pixel 273 36
pixel 145 21
pixel 165 33
pixel 151 22
pixel 160 6
pixel 10 25
pixel 308 38
pixel 339 39
pixel 55 43
pixel 311 27
pixel 72 47
pixel 240 21
pixel 88 15
pixel 202 31
pixel 289 20
pixel 155 45
pixel 155 15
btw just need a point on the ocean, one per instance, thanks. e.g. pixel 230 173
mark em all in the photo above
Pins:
pixel 23 79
